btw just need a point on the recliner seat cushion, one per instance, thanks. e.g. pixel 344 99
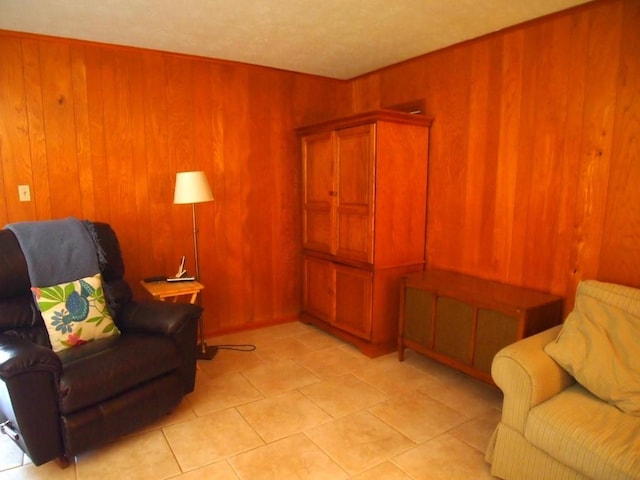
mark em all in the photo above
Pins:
pixel 101 369
pixel 123 413
pixel 592 437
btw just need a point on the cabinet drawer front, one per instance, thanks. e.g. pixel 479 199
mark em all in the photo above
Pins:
pixel 495 330
pixel 418 316
pixel 454 329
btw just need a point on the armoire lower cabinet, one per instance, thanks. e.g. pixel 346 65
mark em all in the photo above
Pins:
pixel 364 190
pixel 339 295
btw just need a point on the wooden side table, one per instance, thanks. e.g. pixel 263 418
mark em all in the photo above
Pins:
pixel 173 290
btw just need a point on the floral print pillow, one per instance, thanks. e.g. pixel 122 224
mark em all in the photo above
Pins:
pixel 75 312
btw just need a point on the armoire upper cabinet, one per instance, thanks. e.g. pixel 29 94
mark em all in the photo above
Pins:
pixel 364 187
pixel 339 168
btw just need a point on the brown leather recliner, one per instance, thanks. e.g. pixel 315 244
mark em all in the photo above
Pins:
pixel 58 404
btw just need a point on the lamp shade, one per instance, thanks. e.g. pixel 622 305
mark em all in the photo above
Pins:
pixel 192 187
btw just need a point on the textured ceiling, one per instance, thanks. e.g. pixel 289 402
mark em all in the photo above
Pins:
pixel 333 38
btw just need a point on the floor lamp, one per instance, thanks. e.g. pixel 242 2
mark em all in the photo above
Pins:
pixel 192 187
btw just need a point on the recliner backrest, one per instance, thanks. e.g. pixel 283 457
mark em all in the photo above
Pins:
pixel 18 313
pixel 117 289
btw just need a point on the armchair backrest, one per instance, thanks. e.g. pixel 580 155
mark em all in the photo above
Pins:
pixel 18 312
pixel 117 289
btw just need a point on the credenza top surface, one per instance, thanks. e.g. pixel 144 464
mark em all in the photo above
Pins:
pixel 478 290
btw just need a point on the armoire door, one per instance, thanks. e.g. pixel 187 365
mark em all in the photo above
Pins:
pixel 319 192
pixel 353 300
pixel 355 202
pixel 318 288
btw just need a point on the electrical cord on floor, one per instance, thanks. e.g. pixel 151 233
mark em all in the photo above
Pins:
pixel 237 348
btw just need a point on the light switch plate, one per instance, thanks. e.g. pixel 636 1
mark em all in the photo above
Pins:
pixel 24 193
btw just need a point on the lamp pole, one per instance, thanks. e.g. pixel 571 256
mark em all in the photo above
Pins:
pixel 195 241
pixel 192 187
pixel 205 352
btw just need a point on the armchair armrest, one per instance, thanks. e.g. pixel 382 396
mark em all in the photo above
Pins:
pixel 29 375
pixel 177 320
pixel 19 356
pixel 157 317
pixel 527 376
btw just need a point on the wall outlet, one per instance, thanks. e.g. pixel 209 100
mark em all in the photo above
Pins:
pixel 24 193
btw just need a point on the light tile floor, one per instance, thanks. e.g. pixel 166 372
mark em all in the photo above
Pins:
pixel 303 405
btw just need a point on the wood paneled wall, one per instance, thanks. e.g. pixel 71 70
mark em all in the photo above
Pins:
pixel 535 148
pixel 534 162
pixel 99 132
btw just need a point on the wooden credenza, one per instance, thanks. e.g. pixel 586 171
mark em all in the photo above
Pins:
pixel 364 188
pixel 463 321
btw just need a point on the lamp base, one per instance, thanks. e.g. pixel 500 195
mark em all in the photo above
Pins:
pixel 206 352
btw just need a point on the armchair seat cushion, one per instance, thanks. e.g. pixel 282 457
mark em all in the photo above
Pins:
pixel 605 446
pixel 98 370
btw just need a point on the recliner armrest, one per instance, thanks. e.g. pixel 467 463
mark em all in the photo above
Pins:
pixel 157 317
pixel 527 376
pixel 19 356
pixel 177 320
pixel 29 375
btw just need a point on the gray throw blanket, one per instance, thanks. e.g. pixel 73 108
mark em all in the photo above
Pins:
pixel 56 251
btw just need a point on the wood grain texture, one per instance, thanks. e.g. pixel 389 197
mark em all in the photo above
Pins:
pixel 534 148
pixel 534 154
pixel 99 132
pixel 14 131
pixel 619 255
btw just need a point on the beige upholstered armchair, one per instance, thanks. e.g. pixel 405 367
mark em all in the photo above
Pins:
pixel 553 426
